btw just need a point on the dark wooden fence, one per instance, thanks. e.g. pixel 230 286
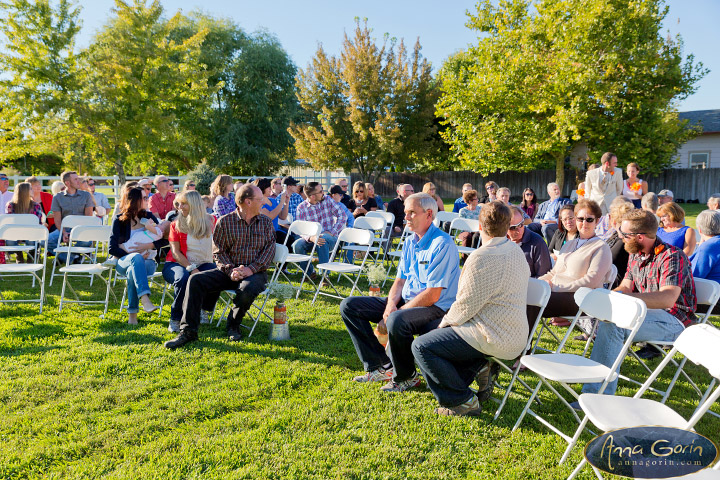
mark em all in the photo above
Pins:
pixel 686 183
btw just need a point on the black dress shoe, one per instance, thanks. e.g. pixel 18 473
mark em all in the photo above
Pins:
pixel 184 338
pixel 647 352
pixel 234 335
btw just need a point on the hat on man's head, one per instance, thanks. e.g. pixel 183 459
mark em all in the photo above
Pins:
pixel 666 193
pixel 336 189
pixel 143 182
pixel 290 181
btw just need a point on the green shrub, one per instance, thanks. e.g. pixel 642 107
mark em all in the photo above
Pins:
pixel 203 175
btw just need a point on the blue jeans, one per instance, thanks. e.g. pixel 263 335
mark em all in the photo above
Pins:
pixel 178 276
pixel 449 365
pixel 136 269
pixel 54 239
pixel 659 325
pixel 302 246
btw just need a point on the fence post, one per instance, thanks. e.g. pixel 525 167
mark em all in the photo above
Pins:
pixel 116 195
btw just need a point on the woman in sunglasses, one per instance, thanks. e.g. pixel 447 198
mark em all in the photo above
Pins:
pixel 529 202
pixel 582 262
pixel 491 189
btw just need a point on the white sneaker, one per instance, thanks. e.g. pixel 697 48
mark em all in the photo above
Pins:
pixel 174 326
pixel 402 386
pixel 204 317
pixel 379 375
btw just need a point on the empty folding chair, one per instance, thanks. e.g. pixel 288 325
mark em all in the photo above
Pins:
pixel 306 229
pixel 538 295
pixel 18 219
pixel 698 343
pixel 444 217
pixel 376 225
pixel 387 236
pixel 86 233
pixel 464 225
pixel 34 233
pixel 70 222
pixel 624 311
pixel 226 297
pixel 347 236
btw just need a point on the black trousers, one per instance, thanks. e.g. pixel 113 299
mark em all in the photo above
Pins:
pixel 205 287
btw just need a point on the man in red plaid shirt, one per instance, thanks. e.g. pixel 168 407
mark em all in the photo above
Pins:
pixel 658 274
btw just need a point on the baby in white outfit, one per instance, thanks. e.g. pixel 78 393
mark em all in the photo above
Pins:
pixel 149 234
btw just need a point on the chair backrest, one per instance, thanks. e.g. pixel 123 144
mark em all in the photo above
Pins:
pixel 72 221
pixel 701 344
pixel 538 293
pixel 387 216
pixel 465 225
pixel 19 219
pixel 611 276
pixel 31 233
pixel 355 235
pixel 622 310
pixel 443 217
pixel 90 233
pixel 303 227
pixel 707 293
pixel 281 253
pixel 373 223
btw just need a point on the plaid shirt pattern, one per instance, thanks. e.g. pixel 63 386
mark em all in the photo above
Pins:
pixel 665 266
pixel 327 213
pixel 237 242
pixel 295 200
pixel 224 205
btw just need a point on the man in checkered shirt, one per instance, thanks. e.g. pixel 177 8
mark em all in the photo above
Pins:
pixel 321 209
pixel 658 274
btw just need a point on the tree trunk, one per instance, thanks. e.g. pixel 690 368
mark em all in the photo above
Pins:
pixel 560 170
pixel 120 168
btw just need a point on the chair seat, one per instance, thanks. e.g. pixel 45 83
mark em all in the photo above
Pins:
pixel 610 412
pixel 17 248
pixel 20 267
pixel 395 254
pixel 361 248
pixel 339 267
pixel 152 276
pixel 566 368
pixel 94 268
pixel 297 258
pixel 466 249
pixel 74 250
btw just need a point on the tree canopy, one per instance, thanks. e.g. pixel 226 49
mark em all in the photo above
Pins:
pixel 548 75
pixel 370 108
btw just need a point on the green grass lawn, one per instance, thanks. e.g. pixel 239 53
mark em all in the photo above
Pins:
pixel 85 397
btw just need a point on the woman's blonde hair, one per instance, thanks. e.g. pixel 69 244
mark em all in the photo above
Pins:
pixel 22 198
pixel 198 223
pixel 220 184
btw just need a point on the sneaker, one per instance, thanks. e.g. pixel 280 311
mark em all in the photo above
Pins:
pixel 576 406
pixel 174 326
pixel 184 338
pixel 399 387
pixel 470 408
pixel 377 375
pixel 485 380
pixel 234 335
pixel 204 317
pixel 647 352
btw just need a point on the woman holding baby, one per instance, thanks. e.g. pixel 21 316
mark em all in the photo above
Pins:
pixel 190 251
pixel 136 237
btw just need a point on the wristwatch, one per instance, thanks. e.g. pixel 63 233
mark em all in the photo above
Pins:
pixel 191 267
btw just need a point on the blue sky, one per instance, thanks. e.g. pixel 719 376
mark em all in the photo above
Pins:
pixel 300 26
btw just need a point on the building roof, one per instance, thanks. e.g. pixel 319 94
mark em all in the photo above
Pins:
pixel 709 119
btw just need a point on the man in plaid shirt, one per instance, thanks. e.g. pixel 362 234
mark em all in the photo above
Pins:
pixel 243 247
pixel 321 209
pixel 660 275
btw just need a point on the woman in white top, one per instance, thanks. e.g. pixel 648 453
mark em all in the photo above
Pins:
pixel 634 188
pixel 190 250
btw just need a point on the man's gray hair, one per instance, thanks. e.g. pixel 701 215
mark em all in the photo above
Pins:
pixel 650 201
pixel 552 184
pixel 714 199
pixel 426 202
pixel 708 222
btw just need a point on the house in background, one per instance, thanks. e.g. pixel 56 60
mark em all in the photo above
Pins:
pixel 702 151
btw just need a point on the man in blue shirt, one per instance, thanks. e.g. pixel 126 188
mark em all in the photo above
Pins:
pixel 460 203
pixel 546 218
pixel 424 289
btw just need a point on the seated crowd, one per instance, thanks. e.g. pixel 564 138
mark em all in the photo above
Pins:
pixel 447 320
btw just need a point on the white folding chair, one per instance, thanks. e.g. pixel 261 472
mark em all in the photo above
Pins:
pixel 34 233
pixel 347 236
pixel 86 233
pixel 72 221
pixel 396 253
pixel 624 311
pixel 152 279
pixel 18 219
pixel 376 225
pixel 538 295
pixel 280 257
pixel 698 343
pixel 387 235
pixel 445 217
pixel 307 229
pixel 464 225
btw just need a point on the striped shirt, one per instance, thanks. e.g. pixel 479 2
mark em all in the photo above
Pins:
pixel 295 200
pixel 665 266
pixel 237 242
pixel 326 212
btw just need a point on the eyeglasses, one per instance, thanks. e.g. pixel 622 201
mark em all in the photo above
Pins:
pixel 629 234
pixel 4 179
pixel 585 219
pixel 147 187
pixel 529 194
pixel 344 187
pixel 191 184
pixel 410 191
pixel 490 188
pixel 512 228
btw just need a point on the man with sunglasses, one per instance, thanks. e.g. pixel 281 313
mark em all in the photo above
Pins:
pixel 5 194
pixel 163 201
pixel 533 246
pixel 100 199
pixel 660 275
pixel 546 218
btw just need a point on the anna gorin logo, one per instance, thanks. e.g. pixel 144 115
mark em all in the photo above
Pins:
pixel 651 452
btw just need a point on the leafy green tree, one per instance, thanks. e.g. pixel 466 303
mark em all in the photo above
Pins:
pixel 547 75
pixel 371 108
pixel 203 175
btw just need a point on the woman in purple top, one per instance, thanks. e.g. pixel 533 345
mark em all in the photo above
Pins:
pixel 222 188
pixel 529 203
pixel 673 232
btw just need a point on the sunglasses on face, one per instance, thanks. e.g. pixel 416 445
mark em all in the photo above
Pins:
pixel 4 179
pixel 489 188
pixel 191 184
pixel 91 184
pixel 585 219
pixel 512 228
pixel 529 194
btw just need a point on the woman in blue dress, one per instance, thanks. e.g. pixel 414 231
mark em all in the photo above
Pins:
pixel 673 231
